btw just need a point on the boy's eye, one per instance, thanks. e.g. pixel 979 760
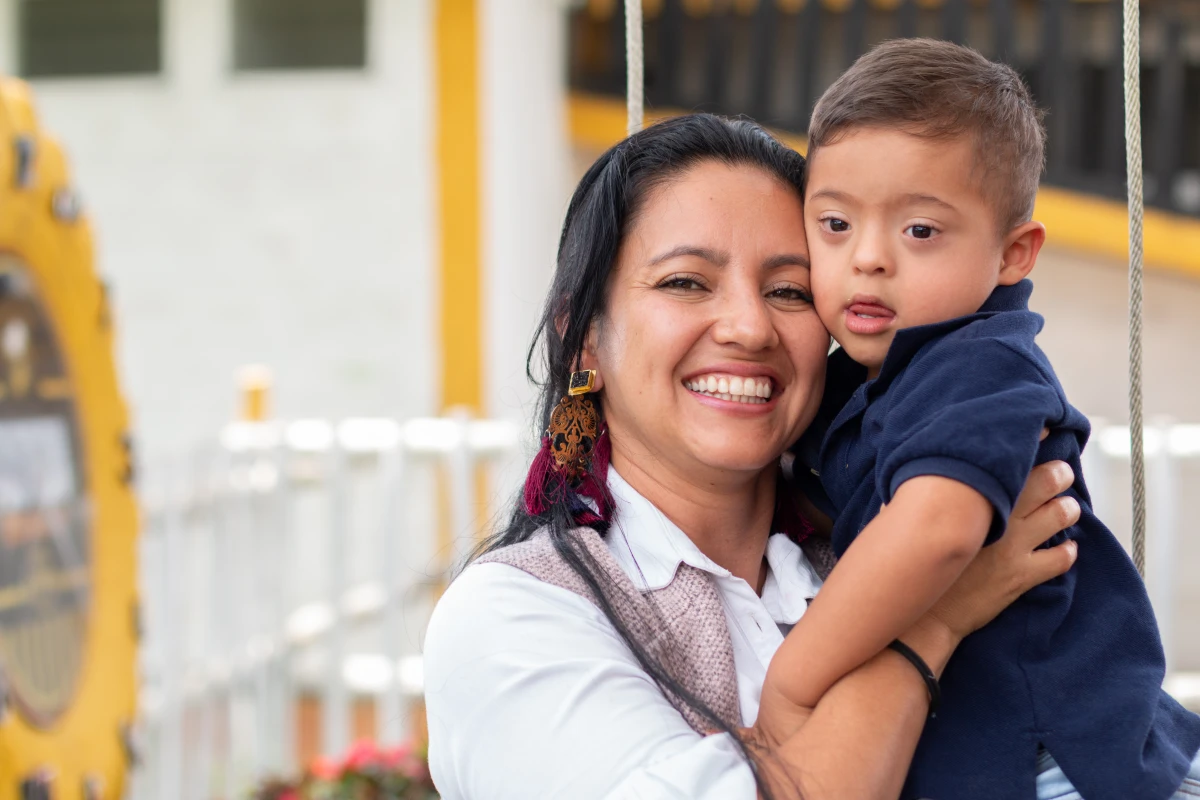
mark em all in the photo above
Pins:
pixel 920 231
pixel 835 225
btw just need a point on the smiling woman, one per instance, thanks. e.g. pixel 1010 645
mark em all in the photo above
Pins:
pixel 646 577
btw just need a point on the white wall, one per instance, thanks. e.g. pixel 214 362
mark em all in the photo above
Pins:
pixel 278 218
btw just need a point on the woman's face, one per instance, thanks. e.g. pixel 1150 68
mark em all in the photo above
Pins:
pixel 710 353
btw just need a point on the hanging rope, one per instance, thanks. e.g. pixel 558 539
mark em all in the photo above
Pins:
pixel 634 66
pixel 1133 162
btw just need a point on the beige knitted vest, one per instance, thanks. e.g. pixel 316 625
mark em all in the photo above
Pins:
pixel 682 624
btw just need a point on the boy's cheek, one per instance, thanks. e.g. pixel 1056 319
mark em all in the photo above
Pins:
pixel 828 310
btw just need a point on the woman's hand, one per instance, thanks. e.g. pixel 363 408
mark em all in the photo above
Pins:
pixel 1004 571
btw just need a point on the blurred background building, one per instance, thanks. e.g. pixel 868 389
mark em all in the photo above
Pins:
pixel 364 196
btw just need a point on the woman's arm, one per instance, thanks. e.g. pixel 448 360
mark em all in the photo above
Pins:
pixel 859 739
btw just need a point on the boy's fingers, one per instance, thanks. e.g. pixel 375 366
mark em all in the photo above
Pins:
pixel 1047 564
pixel 1044 483
pixel 1045 433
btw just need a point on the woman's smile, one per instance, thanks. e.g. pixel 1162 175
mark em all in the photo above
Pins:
pixel 711 354
pixel 734 390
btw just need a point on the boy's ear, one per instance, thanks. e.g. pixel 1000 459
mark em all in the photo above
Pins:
pixel 588 358
pixel 1021 248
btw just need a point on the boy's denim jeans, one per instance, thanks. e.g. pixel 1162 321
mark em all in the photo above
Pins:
pixel 1052 784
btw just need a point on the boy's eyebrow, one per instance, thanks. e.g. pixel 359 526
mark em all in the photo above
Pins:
pixel 832 194
pixel 787 260
pixel 707 253
pixel 911 197
pixel 918 197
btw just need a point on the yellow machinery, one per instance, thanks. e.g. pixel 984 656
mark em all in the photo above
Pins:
pixel 68 520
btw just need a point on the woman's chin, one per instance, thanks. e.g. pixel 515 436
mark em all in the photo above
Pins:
pixel 737 459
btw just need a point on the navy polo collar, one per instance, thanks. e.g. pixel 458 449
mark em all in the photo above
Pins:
pixel 909 340
pixel 847 389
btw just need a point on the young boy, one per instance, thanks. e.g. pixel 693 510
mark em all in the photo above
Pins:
pixel 924 161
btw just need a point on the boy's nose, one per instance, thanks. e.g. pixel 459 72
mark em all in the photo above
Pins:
pixel 873 260
pixel 871 256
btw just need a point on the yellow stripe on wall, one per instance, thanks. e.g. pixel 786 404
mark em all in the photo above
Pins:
pixel 1073 220
pixel 1099 225
pixel 457 143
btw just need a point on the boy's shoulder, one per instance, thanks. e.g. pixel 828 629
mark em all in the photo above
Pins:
pixel 1003 331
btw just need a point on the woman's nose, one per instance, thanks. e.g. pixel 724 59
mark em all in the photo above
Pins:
pixel 744 320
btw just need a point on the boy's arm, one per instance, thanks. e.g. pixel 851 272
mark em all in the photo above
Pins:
pixel 900 564
pixel 961 438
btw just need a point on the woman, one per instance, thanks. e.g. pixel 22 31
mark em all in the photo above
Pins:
pixel 633 603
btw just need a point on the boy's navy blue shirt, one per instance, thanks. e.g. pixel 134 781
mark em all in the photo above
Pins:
pixel 1075 665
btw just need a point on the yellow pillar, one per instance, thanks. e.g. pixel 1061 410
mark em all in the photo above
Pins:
pixel 459 217
pixel 456 132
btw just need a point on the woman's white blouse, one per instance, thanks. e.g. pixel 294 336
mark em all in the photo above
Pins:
pixel 531 693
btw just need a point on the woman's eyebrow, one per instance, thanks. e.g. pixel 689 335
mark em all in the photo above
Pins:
pixel 708 254
pixel 787 260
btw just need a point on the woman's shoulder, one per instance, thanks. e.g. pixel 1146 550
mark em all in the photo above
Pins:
pixel 502 591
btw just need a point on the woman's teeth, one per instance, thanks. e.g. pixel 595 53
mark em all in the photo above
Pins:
pixel 732 387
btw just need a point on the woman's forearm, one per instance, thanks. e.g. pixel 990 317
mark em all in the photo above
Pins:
pixel 860 738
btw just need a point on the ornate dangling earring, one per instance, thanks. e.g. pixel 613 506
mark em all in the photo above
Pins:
pixel 573 459
pixel 574 426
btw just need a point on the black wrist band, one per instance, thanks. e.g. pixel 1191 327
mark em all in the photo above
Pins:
pixel 931 681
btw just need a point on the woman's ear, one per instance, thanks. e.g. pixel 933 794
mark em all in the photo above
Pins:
pixel 589 359
pixel 1021 248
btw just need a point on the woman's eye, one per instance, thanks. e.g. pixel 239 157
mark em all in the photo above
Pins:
pixel 681 283
pixel 835 225
pixel 920 231
pixel 791 294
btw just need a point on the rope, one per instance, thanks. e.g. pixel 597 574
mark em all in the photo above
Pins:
pixel 1133 161
pixel 635 66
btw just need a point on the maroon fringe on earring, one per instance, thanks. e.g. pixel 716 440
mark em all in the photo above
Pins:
pixel 594 485
pixel 546 486
pixel 538 480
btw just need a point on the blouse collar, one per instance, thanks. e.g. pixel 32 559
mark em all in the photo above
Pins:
pixel 650 548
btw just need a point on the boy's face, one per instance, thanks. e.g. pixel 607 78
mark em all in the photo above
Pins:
pixel 900 235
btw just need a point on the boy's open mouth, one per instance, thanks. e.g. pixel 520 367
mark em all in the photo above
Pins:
pixel 867 316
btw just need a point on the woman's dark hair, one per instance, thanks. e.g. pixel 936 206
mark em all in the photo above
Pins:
pixel 605 205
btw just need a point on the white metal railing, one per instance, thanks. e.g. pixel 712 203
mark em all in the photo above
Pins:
pixel 295 557
pixel 305 556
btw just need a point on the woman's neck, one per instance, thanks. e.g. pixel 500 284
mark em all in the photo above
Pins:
pixel 729 519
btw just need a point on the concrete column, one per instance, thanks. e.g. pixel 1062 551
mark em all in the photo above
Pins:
pixel 197 38
pixel 526 178
pixel 9 42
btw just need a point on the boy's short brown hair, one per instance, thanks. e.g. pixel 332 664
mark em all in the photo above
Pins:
pixel 940 90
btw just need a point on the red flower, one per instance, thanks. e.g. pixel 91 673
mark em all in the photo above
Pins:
pixel 393 757
pixel 324 768
pixel 288 794
pixel 362 754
